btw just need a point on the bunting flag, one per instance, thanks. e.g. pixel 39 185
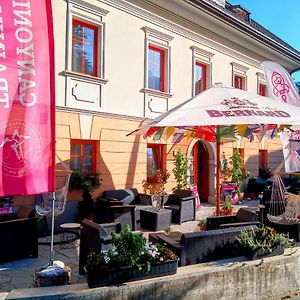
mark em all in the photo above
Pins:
pixel 27 103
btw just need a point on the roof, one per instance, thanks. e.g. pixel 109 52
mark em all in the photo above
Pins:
pixel 255 27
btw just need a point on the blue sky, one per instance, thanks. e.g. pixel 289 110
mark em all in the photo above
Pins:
pixel 280 17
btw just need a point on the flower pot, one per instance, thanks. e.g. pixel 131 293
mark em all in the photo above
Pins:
pixel 102 277
pixel 259 253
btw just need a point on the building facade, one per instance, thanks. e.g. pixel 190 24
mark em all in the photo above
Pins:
pixel 120 63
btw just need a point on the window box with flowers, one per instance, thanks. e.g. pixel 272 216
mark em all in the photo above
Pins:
pixel 131 258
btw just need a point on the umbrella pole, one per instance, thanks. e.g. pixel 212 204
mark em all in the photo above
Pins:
pixel 218 171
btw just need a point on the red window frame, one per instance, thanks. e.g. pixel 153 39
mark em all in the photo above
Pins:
pixel 263 158
pixel 262 88
pixel 81 155
pixel 239 82
pixel 162 153
pixel 95 51
pixel 204 78
pixel 162 53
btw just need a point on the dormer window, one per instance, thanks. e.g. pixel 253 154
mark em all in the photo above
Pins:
pixel 241 12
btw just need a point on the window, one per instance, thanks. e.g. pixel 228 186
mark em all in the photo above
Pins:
pixel 239 82
pixel 84 48
pixel 83 155
pixel 239 76
pixel 263 159
pixel 156 160
pixel 262 89
pixel 200 78
pixel 156 68
pixel 202 65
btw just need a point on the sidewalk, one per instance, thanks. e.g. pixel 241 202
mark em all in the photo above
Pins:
pixel 19 274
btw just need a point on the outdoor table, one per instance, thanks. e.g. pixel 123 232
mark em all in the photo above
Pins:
pixel 155 219
pixel 70 233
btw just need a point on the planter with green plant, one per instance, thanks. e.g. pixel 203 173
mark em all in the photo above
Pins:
pixel 227 207
pixel 261 242
pixel 131 258
pixel 86 182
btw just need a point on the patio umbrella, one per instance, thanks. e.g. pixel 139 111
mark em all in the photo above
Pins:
pixel 216 114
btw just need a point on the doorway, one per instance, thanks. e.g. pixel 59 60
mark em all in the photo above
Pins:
pixel 201 170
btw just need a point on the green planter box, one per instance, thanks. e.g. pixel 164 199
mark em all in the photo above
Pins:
pixel 98 278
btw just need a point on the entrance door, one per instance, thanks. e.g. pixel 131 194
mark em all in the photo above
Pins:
pixel 201 170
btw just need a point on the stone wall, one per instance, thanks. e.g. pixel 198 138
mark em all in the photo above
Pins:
pixel 270 278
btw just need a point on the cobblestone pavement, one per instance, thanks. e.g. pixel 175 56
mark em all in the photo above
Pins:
pixel 19 274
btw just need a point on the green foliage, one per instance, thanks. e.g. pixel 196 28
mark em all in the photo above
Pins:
pixel 180 171
pixel 131 250
pixel 264 238
pixel 238 173
pixel 84 180
pixel 129 246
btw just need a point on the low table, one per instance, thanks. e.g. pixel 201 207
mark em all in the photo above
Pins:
pixel 155 219
pixel 70 233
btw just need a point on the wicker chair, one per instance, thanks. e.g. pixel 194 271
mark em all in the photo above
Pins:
pixel 126 204
pixel 183 206
pixel 95 238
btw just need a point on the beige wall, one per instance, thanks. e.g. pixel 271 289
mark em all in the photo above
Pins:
pixel 106 110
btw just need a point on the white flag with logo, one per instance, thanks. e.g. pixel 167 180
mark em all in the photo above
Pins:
pixel 282 88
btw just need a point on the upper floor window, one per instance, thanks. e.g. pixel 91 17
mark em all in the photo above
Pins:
pixel 157 63
pixel 202 66
pixel 84 48
pixel 156 68
pixel 239 82
pixel 156 160
pixel 200 78
pixel 262 89
pixel 83 156
pixel 239 76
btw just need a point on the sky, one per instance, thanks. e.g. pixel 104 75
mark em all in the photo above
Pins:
pixel 282 18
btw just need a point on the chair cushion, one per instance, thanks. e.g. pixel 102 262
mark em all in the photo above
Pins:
pixel 246 215
pixel 126 195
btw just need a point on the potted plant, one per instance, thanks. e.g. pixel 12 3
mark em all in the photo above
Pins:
pixel 227 207
pixel 86 182
pixel 238 172
pixel 262 241
pixel 155 185
pixel 180 171
pixel 131 258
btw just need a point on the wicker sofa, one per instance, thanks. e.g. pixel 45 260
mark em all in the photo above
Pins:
pixel 243 217
pixel 122 205
pixel 18 235
pixel 199 247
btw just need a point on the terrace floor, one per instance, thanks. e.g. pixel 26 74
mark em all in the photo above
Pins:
pixel 19 274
